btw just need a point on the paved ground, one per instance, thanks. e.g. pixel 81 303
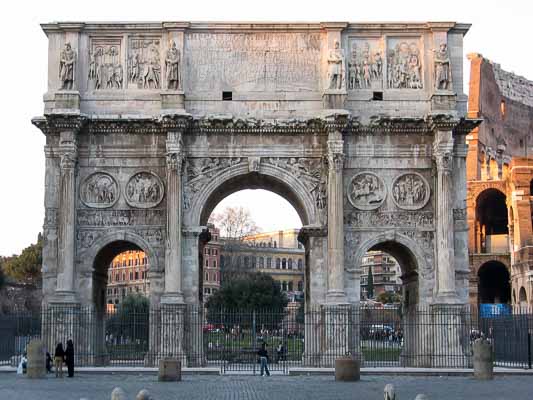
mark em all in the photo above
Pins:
pixel 98 387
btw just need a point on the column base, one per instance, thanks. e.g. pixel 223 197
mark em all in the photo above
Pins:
pixel 67 297
pixel 336 297
pixel 172 298
pixel 444 298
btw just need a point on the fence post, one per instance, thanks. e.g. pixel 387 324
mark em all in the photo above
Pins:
pixel 254 339
pixel 529 349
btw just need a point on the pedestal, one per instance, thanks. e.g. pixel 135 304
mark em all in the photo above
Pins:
pixel 172 102
pixel 334 99
pixel 67 101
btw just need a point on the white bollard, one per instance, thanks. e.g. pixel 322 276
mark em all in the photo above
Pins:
pixel 389 393
pixel 118 394
pixel 143 395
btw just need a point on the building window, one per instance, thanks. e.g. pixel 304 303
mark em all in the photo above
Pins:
pixel 284 263
pixel 300 286
pixel 131 275
pixel 136 275
pixel 300 264
pixel 214 263
pixel 206 276
pixel 278 263
pixel 290 263
pixel 254 262
pixel 206 252
pixel 290 286
pixel 269 262
pixel 215 252
pixel 123 276
pixel 206 262
pixel 261 262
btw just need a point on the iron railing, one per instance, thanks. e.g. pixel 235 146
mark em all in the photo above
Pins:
pixel 433 336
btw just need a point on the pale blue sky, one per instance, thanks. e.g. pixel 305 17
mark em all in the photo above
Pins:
pixel 501 31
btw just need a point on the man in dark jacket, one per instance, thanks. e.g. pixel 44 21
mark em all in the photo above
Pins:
pixel 69 358
pixel 263 359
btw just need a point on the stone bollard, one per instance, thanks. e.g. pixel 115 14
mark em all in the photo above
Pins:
pixel 36 359
pixel 347 369
pixel 483 364
pixel 143 395
pixel 169 370
pixel 389 392
pixel 421 397
pixel 118 394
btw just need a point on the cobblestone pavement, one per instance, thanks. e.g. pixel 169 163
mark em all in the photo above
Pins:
pixel 98 387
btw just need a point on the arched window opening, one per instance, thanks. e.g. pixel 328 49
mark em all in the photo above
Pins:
pixel 494 283
pixel 491 222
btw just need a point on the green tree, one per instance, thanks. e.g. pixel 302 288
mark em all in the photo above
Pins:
pixel 243 294
pixel 131 320
pixel 26 267
pixel 370 284
pixel 389 297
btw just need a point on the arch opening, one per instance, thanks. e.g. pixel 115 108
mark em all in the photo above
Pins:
pixel 270 247
pixel 492 222
pixel 120 269
pixel 494 283
pixel 522 296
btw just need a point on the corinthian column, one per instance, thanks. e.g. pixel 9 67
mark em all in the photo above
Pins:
pixel 445 279
pixel 335 293
pixel 173 285
pixel 68 151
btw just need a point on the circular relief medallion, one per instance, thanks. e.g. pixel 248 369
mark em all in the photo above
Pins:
pixel 144 190
pixel 99 190
pixel 410 191
pixel 366 191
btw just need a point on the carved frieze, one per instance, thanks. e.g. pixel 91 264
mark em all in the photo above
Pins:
pixel 105 65
pixel 459 214
pixel 99 190
pixel 200 171
pixel 366 191
pixel 67 67
pixel 404 64
pixel 423 238
pixel 410 191
pixel 144 190
pixel 144 62
pixel 365 65
pixel 120 217
pixel 390 219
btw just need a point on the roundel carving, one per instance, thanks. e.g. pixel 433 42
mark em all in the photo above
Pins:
pixel 366 191
pixel 144 190
pixel 410 191
pixel 99 190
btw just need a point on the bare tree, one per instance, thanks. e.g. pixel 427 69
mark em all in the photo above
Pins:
pixel 234 223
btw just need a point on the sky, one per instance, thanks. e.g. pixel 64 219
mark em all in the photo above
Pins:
pixel 501 31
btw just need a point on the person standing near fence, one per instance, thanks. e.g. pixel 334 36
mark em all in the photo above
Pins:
pixel 59 359
pixel 69 358
pixel 263 359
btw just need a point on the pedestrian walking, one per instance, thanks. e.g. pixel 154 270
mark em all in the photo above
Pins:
pixel 263 359
pixel 59 359
pixel 48 363
pixel 69 358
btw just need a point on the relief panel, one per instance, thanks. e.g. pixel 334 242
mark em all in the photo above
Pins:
pixel 144 62
pixel 144 190
pixel 105 64
pixel 365 64
pixel 366 191
pixel 99 190
pixel 404 63
pixel 249 62
pixel 410 191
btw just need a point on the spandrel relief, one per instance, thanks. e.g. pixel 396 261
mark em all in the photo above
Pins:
pixel 365 65
pixel 404 64
pixel 105 66
pixel 144 190
pixel 366 191
pixel 99 190
pixel 410 191
pixel 144 63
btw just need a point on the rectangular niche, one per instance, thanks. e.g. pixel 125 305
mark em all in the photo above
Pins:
pixel 404 63
pixel 144 62
pixel 105 64
pixel 365 64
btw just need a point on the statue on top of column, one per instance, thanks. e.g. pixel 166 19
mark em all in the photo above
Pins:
pixel 172 62
pixel 336 68
pixel 67 63
pixel 442 68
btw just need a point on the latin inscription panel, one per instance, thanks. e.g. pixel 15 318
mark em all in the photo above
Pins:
pixel 253 62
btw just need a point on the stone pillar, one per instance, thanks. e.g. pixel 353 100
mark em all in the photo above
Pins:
pixel 445 279
pixel 173 279
pixel 336 293
pixel 68 151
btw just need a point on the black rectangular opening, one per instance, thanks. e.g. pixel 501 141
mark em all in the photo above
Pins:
pixel 227 96
pixel 378 96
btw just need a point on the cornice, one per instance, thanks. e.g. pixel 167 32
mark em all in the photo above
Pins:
pixel 53 124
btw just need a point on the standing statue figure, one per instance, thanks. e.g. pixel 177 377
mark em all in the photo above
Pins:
pixel 336 68
pixel 172 63
pixel 442 68
pixel 67 62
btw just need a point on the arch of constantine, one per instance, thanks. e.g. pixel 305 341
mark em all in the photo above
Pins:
pixel 360 126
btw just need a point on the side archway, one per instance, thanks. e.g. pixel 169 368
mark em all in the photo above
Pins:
pixel 494 283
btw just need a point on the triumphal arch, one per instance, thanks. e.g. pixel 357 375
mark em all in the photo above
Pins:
pixel 360 126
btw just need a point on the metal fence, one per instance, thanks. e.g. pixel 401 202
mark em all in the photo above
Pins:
pixel 229 339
